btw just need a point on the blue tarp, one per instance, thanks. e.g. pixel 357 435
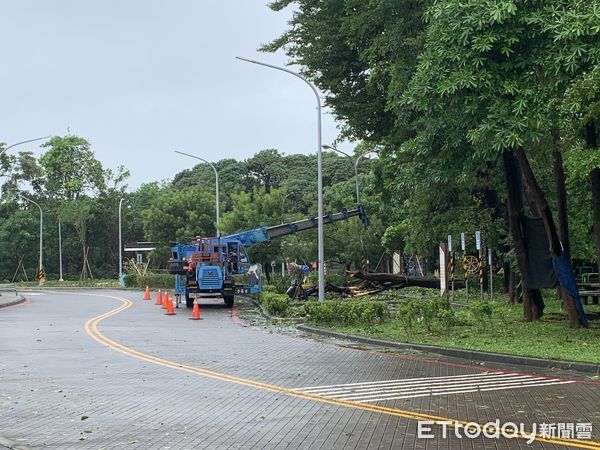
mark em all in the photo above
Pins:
pixel 564 273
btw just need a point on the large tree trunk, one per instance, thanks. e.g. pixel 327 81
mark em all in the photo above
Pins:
pixel 400 281
pixel 515 208
pixel 595 180
pixel 539 202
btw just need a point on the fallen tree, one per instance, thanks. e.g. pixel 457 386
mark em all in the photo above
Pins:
pixel 371 283
pixel 397 281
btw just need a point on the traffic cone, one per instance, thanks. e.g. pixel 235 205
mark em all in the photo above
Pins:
pixel 147 294
pixel 170 310
pixel 196 311
pixel 165 299
pixel 159 299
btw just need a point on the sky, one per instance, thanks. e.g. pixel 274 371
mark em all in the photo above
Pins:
pixel 142 78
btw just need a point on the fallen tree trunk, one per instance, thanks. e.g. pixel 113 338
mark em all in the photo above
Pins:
pixel 401 281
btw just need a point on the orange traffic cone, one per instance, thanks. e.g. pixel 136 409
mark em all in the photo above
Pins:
pixel 165 299
pixel 170 310
pixel 158 298
pixel 196 311
pixel 147 294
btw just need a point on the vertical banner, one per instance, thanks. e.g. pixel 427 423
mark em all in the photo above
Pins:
pixel 443 270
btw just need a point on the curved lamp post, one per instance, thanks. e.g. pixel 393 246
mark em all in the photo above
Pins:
pixel 321 251
pixel 41 266
pixel 329 147
pixel 23 142
pixel 216 184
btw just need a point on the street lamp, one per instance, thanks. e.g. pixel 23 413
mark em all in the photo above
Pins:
pixel 329 147
pixel 216 184
pixel 41 267
pixel 60 253
pixel 23 142
pixel 321 247
pixel 121 280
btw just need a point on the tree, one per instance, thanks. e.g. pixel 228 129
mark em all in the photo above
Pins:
pixel 71 170
pixel 178 215
pixel 501 63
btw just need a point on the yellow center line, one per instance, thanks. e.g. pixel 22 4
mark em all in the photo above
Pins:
pixel 91 328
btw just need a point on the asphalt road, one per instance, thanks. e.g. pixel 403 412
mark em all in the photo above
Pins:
pixel 107 370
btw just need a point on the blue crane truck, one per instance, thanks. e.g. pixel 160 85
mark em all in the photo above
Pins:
pixel 220 267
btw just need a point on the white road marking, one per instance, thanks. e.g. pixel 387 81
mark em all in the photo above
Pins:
pixel 32 294
pixel 375 391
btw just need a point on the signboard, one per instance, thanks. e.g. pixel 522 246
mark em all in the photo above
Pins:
pixel 478 240
pixel 462 241
pixel 443 270
pixel 450 243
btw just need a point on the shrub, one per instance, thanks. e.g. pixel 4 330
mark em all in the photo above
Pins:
pixel 436 312
pixel 482 310
pixel 275 304
pixel 269 288
pixel 407 312
pixel 152 280
pixel 353 312
pixel 281 283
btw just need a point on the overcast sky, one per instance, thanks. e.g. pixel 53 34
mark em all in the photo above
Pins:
pixel 141 78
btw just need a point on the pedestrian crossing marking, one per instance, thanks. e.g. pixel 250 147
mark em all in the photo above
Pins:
pixel 375 391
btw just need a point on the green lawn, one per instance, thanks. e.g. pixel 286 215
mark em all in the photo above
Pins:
pixel 506 333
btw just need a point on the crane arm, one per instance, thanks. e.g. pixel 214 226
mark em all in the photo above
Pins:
pixel 264 234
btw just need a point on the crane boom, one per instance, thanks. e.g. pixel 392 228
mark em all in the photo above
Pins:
pixel 264 234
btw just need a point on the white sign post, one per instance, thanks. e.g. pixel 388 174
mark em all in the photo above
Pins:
pixel 443 270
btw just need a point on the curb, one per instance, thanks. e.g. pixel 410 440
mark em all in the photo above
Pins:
pixel 12 444
pixel 20 299
pixel 471 355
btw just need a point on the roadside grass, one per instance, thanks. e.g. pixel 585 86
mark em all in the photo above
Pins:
pixel 68 283
pixel 418 315
pixel 501 331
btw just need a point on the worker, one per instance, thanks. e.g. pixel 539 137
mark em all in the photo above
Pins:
pixel 232 262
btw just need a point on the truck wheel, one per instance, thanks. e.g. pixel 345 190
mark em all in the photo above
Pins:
pixel 228 300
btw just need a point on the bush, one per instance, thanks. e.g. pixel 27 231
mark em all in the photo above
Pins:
pixel 482 311
pixel 269 288
pixel 275 304
pixel 353 312
pixel 280 283
pixel 436 312
pixel 407 312
pixel 152 280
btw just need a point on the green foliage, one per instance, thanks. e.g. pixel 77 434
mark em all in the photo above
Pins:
pixel 407 312
pixel 152 280
pixel 174 215
pixel 275 304
pixel 482 312
pixel 70 167
pixel 353 312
